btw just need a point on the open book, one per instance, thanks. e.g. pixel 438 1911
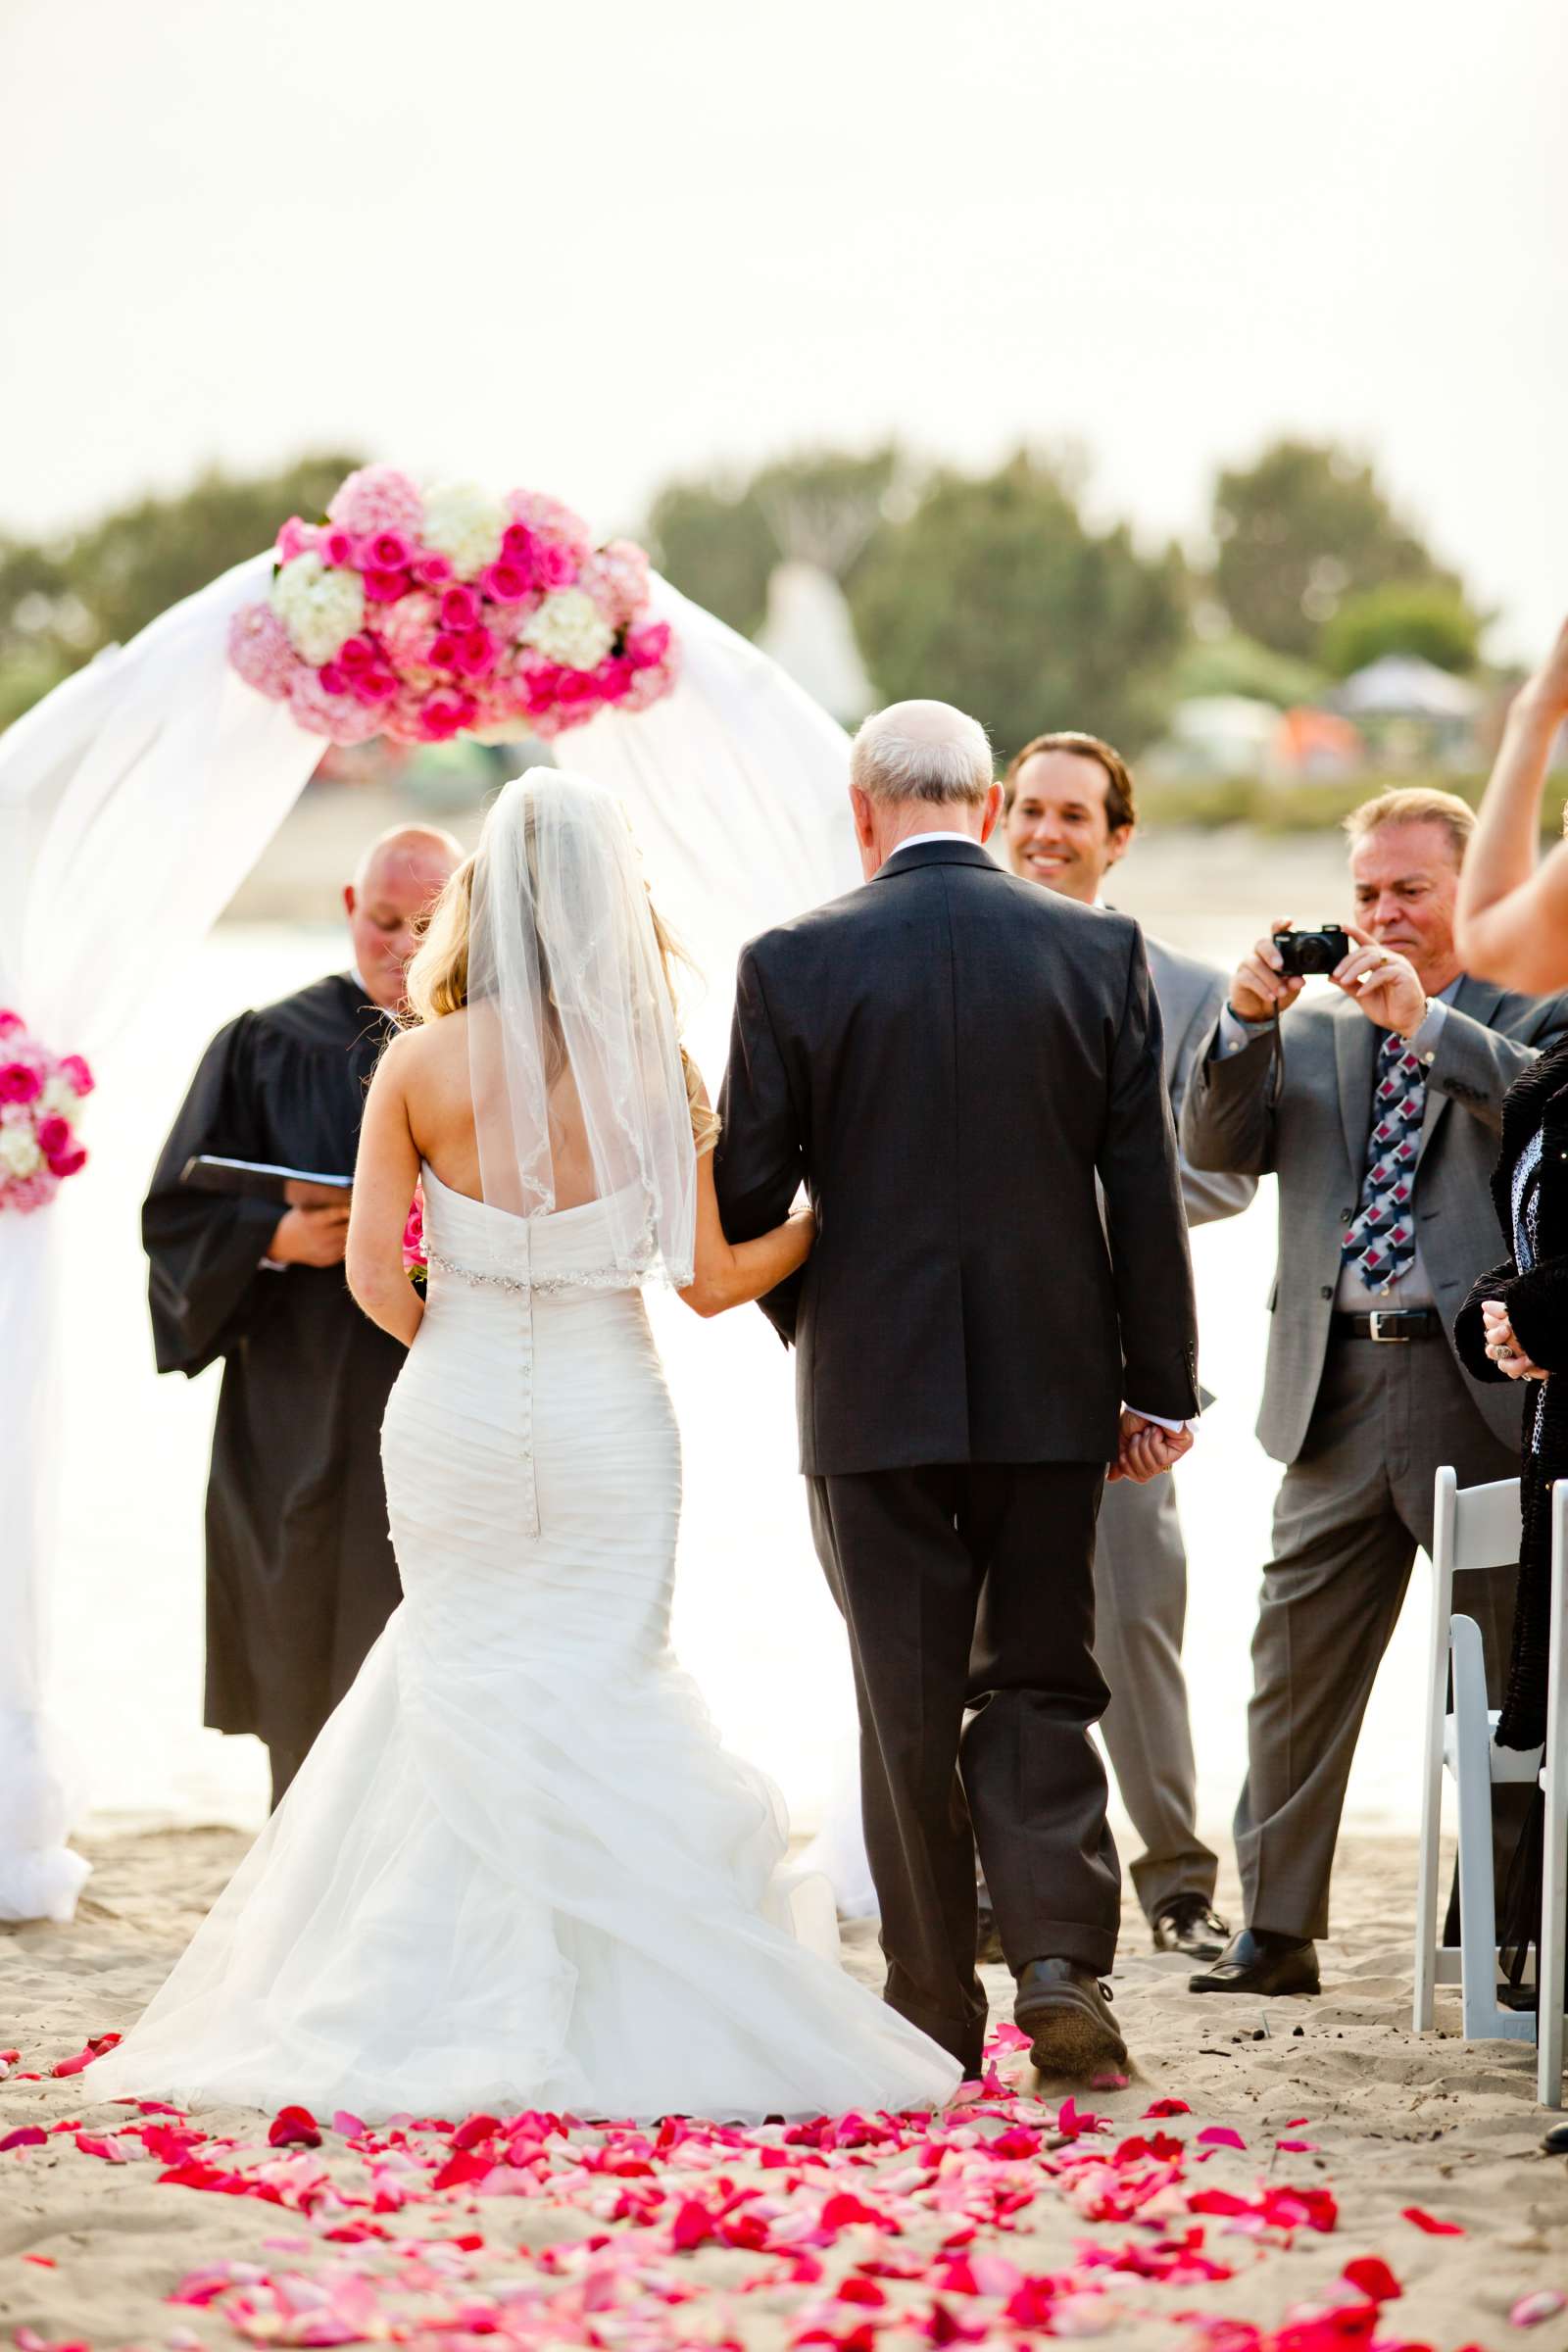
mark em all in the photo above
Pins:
pixel 259 1180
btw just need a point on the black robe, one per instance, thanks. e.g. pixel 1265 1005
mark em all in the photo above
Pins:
pixel 300 1572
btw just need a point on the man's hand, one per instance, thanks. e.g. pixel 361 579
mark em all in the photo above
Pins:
pixel 1383 982
pixel 1260 987
pixel 1147 1450
pixel 312 1237
pixel 1544 694
pixel 1504 1348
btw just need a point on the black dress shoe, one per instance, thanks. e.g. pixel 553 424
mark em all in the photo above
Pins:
pixel 1258 1960
pixel 1188 1923
pixel 1066 2011
pixel 1556 2141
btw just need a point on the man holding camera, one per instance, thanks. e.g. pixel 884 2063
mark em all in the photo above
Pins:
pixel 1070 817
pixel 1379 1110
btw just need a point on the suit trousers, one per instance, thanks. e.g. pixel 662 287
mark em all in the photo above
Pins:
pixel 971 1587
pixel 1352 1512
pixel 1140 1614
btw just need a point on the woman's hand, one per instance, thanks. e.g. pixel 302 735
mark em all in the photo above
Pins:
pixel 1503 1347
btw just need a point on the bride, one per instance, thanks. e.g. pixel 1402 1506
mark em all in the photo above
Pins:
pixel 518 1870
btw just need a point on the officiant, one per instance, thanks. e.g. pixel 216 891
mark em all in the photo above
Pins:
pixel 300 1572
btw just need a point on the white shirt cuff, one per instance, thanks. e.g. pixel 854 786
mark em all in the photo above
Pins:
pixel 1159 1421
pixel 1423 1042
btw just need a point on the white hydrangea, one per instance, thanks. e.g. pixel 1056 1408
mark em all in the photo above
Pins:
pixel 466 524
pixel 568 628
pixel 59 1100
pixel 318 606
pixel 19 1150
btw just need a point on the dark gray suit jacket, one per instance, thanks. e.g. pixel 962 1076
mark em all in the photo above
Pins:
pixel 948 1056
pixel 1314 1140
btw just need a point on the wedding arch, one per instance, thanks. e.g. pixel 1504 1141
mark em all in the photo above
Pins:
pixel 136 797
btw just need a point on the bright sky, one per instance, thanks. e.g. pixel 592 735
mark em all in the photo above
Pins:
pixel 582 246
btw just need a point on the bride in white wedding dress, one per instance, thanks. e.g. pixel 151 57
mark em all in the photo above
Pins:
pixel 518 1869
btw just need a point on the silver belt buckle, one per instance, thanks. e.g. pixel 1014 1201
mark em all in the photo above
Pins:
pixel 1388 1338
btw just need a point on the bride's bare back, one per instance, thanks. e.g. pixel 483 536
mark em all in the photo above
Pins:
pixel 438 1098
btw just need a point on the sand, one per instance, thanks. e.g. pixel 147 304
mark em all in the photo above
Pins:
pixel 1396 2122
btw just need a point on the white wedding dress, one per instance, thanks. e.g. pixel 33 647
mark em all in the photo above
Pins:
pixel 518 1869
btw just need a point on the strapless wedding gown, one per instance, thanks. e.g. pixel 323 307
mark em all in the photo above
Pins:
pixel 518 1869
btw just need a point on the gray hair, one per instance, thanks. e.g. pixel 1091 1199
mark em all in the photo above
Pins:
pixel 922 751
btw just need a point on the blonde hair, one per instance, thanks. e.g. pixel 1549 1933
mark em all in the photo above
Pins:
pixel 1416 805
pixel 436 983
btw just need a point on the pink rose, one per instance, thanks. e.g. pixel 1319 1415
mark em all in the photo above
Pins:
pixel 373 685
pixel 341 549
pixel 553 566
pixel 385 587
pixel 646 648
pixel 446 713
pixel 67 1163
pixel 460 608
pixel 76 1073
pixel 388 551
pixel 27 1192
pixel 443 651
pixel 538 513
pixel 414 1234
pixel 54 1137
pixel 356 652
pixel 10 1023
pixel 20 1083
pixel 432 569
pixel 297 538
pixel 614 677
pixel 476 653
pixel 516 545
pixel 341 718
pixel 378 498
pixel 506 582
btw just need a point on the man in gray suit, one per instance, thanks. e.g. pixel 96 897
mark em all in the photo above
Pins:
pixel 1070 817
pixel 1377 1109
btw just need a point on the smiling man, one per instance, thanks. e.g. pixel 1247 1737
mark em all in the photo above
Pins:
pixel 1070 814
pixel 1378 1107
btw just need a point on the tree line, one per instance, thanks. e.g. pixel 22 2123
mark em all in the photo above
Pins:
pixel 993 590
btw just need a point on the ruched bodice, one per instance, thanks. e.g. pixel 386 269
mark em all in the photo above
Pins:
pixel 518 1869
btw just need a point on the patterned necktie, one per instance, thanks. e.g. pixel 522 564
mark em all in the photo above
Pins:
pixel 1380 1239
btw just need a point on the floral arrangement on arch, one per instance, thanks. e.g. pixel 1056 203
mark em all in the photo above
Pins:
pixel 41 1095
pixel 422 614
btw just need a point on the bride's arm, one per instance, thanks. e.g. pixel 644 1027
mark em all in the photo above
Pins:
pixel 732 1273
pixel 385 1177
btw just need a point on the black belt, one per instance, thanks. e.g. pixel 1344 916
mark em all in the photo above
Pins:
pixel 1396 1324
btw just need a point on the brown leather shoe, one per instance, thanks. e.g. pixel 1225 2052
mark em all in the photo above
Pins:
pixel 1066 2011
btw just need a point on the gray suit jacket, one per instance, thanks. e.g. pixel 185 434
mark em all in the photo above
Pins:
pixel 1313 1138
pixel 1189 994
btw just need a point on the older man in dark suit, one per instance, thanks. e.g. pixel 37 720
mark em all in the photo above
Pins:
pixel 1379 1112
pixel 961 1389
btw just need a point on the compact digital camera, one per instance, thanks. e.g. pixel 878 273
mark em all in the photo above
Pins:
pixel 1305 952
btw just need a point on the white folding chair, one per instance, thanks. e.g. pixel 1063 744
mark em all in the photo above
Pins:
pixel 1478 1528
pixel 1554 1842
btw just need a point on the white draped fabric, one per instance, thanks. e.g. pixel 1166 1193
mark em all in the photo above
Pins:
pixel 133 800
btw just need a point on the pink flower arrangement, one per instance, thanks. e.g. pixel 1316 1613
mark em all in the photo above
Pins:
pixel 424 614
pixel 40 1097
pixel 416 1264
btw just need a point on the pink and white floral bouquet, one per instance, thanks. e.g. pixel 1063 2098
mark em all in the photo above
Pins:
pixel 41 1095
pixel 416 1261
pixel 422 614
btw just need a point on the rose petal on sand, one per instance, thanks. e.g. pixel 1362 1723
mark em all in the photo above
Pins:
pixel 1430 2223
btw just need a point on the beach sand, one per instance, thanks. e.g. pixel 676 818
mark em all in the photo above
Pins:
pixel 1396 2122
